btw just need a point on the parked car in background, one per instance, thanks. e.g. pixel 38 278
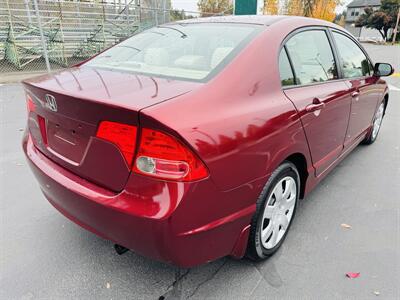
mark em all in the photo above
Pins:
pixel 195 140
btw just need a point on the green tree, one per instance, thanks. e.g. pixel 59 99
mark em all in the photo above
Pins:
pixel 177 15
pixel 340 18
pixel 214 7
pixel 382 19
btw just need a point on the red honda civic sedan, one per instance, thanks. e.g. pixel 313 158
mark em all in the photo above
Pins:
pixel 195 140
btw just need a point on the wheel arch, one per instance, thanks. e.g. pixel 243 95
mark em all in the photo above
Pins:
pixel 386 100
pixel 300 161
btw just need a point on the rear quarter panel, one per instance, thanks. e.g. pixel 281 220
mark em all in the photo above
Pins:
pixel 240 123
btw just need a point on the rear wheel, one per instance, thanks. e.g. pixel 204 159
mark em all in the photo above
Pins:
pixel 275 211
pixel 376 125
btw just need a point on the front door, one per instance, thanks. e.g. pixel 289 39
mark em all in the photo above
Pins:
pixel 362 88
pixel 322 101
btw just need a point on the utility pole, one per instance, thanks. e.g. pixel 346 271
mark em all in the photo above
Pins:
pixel 43 41
pixel 396 27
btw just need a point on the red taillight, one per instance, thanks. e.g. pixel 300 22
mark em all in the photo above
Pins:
pixel 122 135
pixel 161 155
pixel 30 105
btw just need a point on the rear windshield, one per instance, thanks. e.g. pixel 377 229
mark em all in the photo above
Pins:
pixel 184 51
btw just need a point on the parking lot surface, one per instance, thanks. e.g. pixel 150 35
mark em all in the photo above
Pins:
pixel 45 256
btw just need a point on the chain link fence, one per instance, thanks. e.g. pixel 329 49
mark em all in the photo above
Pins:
pixel 46 35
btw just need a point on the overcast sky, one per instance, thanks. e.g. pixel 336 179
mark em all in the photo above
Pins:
pixel 188 5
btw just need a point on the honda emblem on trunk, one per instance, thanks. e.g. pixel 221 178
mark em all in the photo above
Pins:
pixel 51 102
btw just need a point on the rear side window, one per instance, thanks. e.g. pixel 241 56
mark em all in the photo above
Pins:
pixel 312 57
pixel 353 61
pixel 285 69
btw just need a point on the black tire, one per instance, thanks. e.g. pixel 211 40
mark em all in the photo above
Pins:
pixel 369 138
pixel 255 249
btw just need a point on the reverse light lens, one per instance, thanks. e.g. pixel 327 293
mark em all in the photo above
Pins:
pixel 122 135
pixel 161 155
pixel 162 168
pixel 146 164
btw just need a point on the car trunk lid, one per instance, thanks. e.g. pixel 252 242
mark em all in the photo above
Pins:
pixel 70 105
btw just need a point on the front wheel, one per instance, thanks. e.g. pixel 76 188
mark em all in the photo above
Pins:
pixel 275 210
pixel 376 125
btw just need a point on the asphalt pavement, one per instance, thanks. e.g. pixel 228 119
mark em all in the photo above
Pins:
pixel 45 256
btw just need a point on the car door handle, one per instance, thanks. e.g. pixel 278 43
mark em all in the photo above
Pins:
pixel 316 105
pixel 355 94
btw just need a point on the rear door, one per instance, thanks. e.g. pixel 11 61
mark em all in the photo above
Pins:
pixel 321 99
pixel 358 73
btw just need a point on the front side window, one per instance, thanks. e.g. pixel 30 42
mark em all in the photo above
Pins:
pixel 312 57
pixel 285 70
pixel 186 51
pixel 353 61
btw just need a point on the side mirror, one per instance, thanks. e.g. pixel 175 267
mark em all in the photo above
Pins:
pixel 383 69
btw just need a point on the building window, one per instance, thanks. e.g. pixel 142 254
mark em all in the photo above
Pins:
pixel 352 13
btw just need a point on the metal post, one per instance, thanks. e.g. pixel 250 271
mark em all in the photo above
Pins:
pixel 396 27
pixel 156 11
pixel 78 12
pixel 46 58
pixel 103 21
pixel 165 10
pixel 140 15
pixel 127 12
pixel 28 12
pixel 63 58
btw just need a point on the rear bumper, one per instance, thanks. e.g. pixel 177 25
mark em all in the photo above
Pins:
pixel 185 224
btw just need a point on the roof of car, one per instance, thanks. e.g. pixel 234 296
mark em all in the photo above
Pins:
pixel 246 19
pixel 264 20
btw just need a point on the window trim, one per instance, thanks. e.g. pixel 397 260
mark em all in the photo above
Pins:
pixel 333 49
pixel 290 65
pixel 335 53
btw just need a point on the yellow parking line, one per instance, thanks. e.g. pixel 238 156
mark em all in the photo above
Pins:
pixel 396 74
